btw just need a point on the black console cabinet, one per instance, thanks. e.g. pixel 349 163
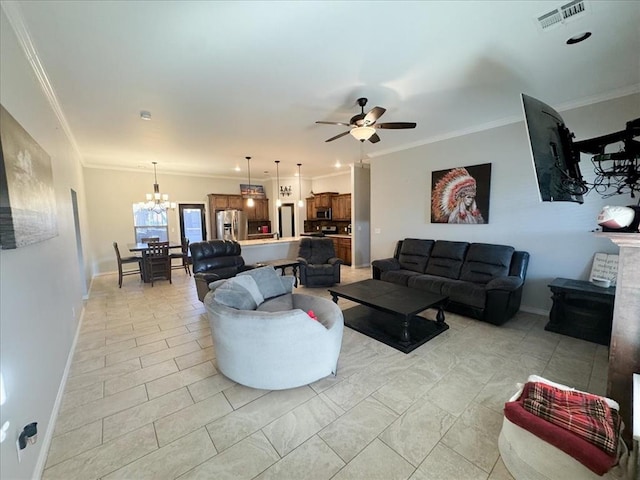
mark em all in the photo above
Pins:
pixel 581 310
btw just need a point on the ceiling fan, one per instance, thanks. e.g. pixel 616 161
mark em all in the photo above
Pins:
pixel 363 126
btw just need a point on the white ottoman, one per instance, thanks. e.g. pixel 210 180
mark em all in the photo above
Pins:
pixel 527 457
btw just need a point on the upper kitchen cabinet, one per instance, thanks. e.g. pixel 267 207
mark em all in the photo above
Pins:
pixel 311 208
pixel 224 202
pixel 259 211
pixel 341 207
pixel 323 200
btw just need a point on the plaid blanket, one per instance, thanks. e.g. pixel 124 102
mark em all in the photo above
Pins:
pixel 588 416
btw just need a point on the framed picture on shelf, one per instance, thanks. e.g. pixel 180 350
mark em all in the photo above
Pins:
pixel 253 191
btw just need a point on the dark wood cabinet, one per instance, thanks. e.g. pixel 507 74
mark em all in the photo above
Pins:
pixel 581 310
pixel 323 200
pixel 224 202
pixel 259 211
pixel 341 207
pixel 311 208
pixel 342 246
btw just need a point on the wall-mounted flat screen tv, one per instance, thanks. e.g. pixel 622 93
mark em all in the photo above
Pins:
pixel 555 159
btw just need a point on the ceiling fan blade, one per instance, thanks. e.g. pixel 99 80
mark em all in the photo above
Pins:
pixel 338 136
pixel 374 138
pixel 374 114
pixel 334 123
pixel 396 125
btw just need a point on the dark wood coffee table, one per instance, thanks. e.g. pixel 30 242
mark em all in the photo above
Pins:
pixel 388 313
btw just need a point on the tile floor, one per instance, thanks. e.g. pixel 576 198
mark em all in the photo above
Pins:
pixel 144 398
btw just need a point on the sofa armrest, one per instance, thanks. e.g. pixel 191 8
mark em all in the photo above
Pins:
pixel 509 284
pixel 334 260
pixel 386 264
pixel 383 265
pixel 202 283
pixel 302 260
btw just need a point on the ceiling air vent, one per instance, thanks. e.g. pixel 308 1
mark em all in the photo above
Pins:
pixel 567 12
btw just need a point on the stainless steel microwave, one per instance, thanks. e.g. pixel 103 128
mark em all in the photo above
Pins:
pixel 324 214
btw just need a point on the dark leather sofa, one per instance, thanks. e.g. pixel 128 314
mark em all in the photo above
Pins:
pixel 483 281
pixel 214 260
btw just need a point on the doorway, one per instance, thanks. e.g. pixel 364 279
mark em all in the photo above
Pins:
pixel 192 222
pixel 79 250
pixel 286 220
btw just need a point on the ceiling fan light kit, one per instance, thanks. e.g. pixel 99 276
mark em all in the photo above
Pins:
pixel 362 133
pixel 363 126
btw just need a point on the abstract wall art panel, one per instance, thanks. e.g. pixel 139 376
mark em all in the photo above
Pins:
pixel 27 197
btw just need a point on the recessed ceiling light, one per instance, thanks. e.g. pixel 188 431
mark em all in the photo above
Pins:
pixel 578 38
pixel 145 115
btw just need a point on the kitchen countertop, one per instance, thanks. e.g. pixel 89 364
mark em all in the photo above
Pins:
pixel 337 235
pixel 266 241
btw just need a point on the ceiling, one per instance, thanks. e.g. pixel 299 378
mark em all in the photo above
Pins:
pixel 224 80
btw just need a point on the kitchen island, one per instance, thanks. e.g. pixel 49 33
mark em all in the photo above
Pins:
pixel 267 249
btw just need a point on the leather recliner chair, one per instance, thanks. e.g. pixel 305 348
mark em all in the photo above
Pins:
pixel 215 260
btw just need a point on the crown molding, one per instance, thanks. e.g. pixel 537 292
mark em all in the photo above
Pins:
pixel 16 20
pixel 583 102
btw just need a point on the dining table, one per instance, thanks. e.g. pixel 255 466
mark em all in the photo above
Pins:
pixel 143 247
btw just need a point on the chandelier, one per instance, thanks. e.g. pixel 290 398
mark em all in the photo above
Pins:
pixel 156 201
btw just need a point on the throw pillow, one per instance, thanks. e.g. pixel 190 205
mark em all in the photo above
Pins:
pixel 268 281
pixel 240 293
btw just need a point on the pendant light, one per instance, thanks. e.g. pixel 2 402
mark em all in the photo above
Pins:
pixel 250 201
pixel 278 201
pixel 300 202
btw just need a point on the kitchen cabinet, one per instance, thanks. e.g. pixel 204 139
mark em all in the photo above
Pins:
pixel 341 207
pixel 311 208
pixel 224 202
pixel 323 200
pixel 342 246
pixel 259 211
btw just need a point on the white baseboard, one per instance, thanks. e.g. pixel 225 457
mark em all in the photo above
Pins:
pixel 537 311
pixel 48 435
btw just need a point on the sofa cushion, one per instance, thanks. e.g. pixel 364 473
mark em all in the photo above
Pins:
pixel 241 293
pixel 414 254
pixel 268 281
pixel 428 283
pixel 485 262
pixel 282 303
pixel 446 258
pixel 467 293
pixel 400 277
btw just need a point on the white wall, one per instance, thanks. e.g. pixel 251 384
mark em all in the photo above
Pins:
pixel 339 182
pixel 361 215
pixel 40 286
pixel 557 235
pixel 112 193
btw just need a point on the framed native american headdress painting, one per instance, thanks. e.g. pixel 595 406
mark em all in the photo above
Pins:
pixel 461 195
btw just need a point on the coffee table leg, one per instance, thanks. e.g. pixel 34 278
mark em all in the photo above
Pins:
pixel 440 315
pixel 295 276
pixel 404 333
pixel 334 297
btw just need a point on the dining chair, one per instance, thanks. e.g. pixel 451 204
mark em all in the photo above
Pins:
pixel 183 255
pixel 125 261
pixel 158 261
pixel 149 239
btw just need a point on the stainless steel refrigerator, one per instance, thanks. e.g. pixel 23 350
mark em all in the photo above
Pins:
pixel 231 225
